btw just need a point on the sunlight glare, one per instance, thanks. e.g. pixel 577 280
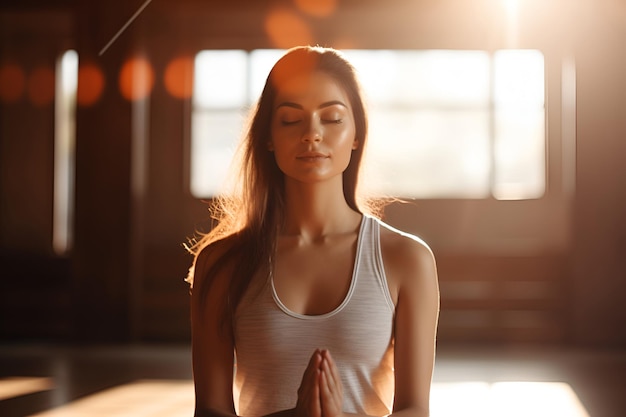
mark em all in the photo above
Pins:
pixel 160 398
pixel 11 387
pixel 538 399
pixel 511 7
pixel 507 398
pixel 145 398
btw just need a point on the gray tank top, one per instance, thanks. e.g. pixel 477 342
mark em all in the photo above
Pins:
pixel 273 344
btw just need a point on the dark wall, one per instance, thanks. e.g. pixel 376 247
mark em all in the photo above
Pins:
pixel 123 278
pixel 598 267
pixel 35 287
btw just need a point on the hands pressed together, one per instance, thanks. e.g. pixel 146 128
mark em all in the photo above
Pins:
pixel 321 391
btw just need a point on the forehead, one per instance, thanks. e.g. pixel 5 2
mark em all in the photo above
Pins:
pixel 310 89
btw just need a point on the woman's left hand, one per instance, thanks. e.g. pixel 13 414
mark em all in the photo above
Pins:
pixel 330 387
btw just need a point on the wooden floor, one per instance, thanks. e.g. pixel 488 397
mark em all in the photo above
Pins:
pixel 68 381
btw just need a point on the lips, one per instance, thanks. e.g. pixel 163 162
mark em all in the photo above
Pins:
pixel 311 156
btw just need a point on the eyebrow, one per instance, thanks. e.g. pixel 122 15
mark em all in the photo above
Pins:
pixel 321 106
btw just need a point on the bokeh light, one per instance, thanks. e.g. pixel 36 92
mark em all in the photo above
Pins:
pixel 136 79
pixel 91 84
pixel 286 29
pixel 317 8
pixel 12 82
pixel 41 86
pixel 178 77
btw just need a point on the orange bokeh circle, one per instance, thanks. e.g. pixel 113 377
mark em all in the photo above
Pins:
pixel 178 77
pixel 12 82
pixel 136 78
pixel 317 8
pixel 41 86
pixel 90 84
pixel 286 29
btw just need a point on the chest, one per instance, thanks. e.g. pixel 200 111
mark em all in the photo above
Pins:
pixel 314 279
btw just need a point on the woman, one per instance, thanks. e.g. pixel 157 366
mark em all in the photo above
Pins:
pixel 323 310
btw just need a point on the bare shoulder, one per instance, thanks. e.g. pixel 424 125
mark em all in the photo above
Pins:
pixel 209 277
pixel 403 250
pixel 206 258
pixel 407 243
pixel 408 260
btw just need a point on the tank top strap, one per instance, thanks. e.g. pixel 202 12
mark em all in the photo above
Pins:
pixel 371 259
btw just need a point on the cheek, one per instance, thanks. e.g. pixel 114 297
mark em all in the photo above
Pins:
pixel 348 138
pixel 345 147
pixel 281 154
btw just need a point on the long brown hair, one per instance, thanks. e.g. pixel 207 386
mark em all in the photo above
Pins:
pixel 251 217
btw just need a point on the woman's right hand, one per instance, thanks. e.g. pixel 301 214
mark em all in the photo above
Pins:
pixel 309 404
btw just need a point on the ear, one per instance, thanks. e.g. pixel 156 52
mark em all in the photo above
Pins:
pixel 355 144
pixel 270 146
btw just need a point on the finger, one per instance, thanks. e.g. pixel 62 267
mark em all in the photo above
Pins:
pixel 325 386
pixel 308 403
pixel 331 402
pixel 327 376
pixel 333 371
pixel 316 401
pixel 312 366
pixel 313 359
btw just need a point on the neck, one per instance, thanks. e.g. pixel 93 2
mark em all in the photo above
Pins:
pixel 317 210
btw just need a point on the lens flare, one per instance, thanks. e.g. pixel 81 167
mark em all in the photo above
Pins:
pixel 286 29
pixel 136 79
pixel 90 84
pixel 178 77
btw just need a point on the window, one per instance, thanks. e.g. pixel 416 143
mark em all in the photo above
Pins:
pixel 443 124
pixel 64 140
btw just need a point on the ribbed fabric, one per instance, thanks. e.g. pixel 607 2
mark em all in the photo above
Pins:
pixel 273 345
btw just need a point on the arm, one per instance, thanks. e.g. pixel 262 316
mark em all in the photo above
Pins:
pixel 213 351
pixel 412 273
pixel 211 347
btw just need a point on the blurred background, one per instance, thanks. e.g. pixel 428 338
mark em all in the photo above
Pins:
pixel 500 123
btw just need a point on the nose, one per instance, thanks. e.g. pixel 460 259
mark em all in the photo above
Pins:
pixel 312 132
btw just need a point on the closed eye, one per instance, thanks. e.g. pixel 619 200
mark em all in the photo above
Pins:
pixel 336 121
pixel 289 122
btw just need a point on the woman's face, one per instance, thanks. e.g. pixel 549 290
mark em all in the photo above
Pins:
pixel 312 129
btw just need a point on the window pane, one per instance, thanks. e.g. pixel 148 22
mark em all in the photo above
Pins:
pixel 424 78
pixel 518 78
pixel 519 154
pixel 220 79
pixel 429 154
pixel 215 135
pixel 519 142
